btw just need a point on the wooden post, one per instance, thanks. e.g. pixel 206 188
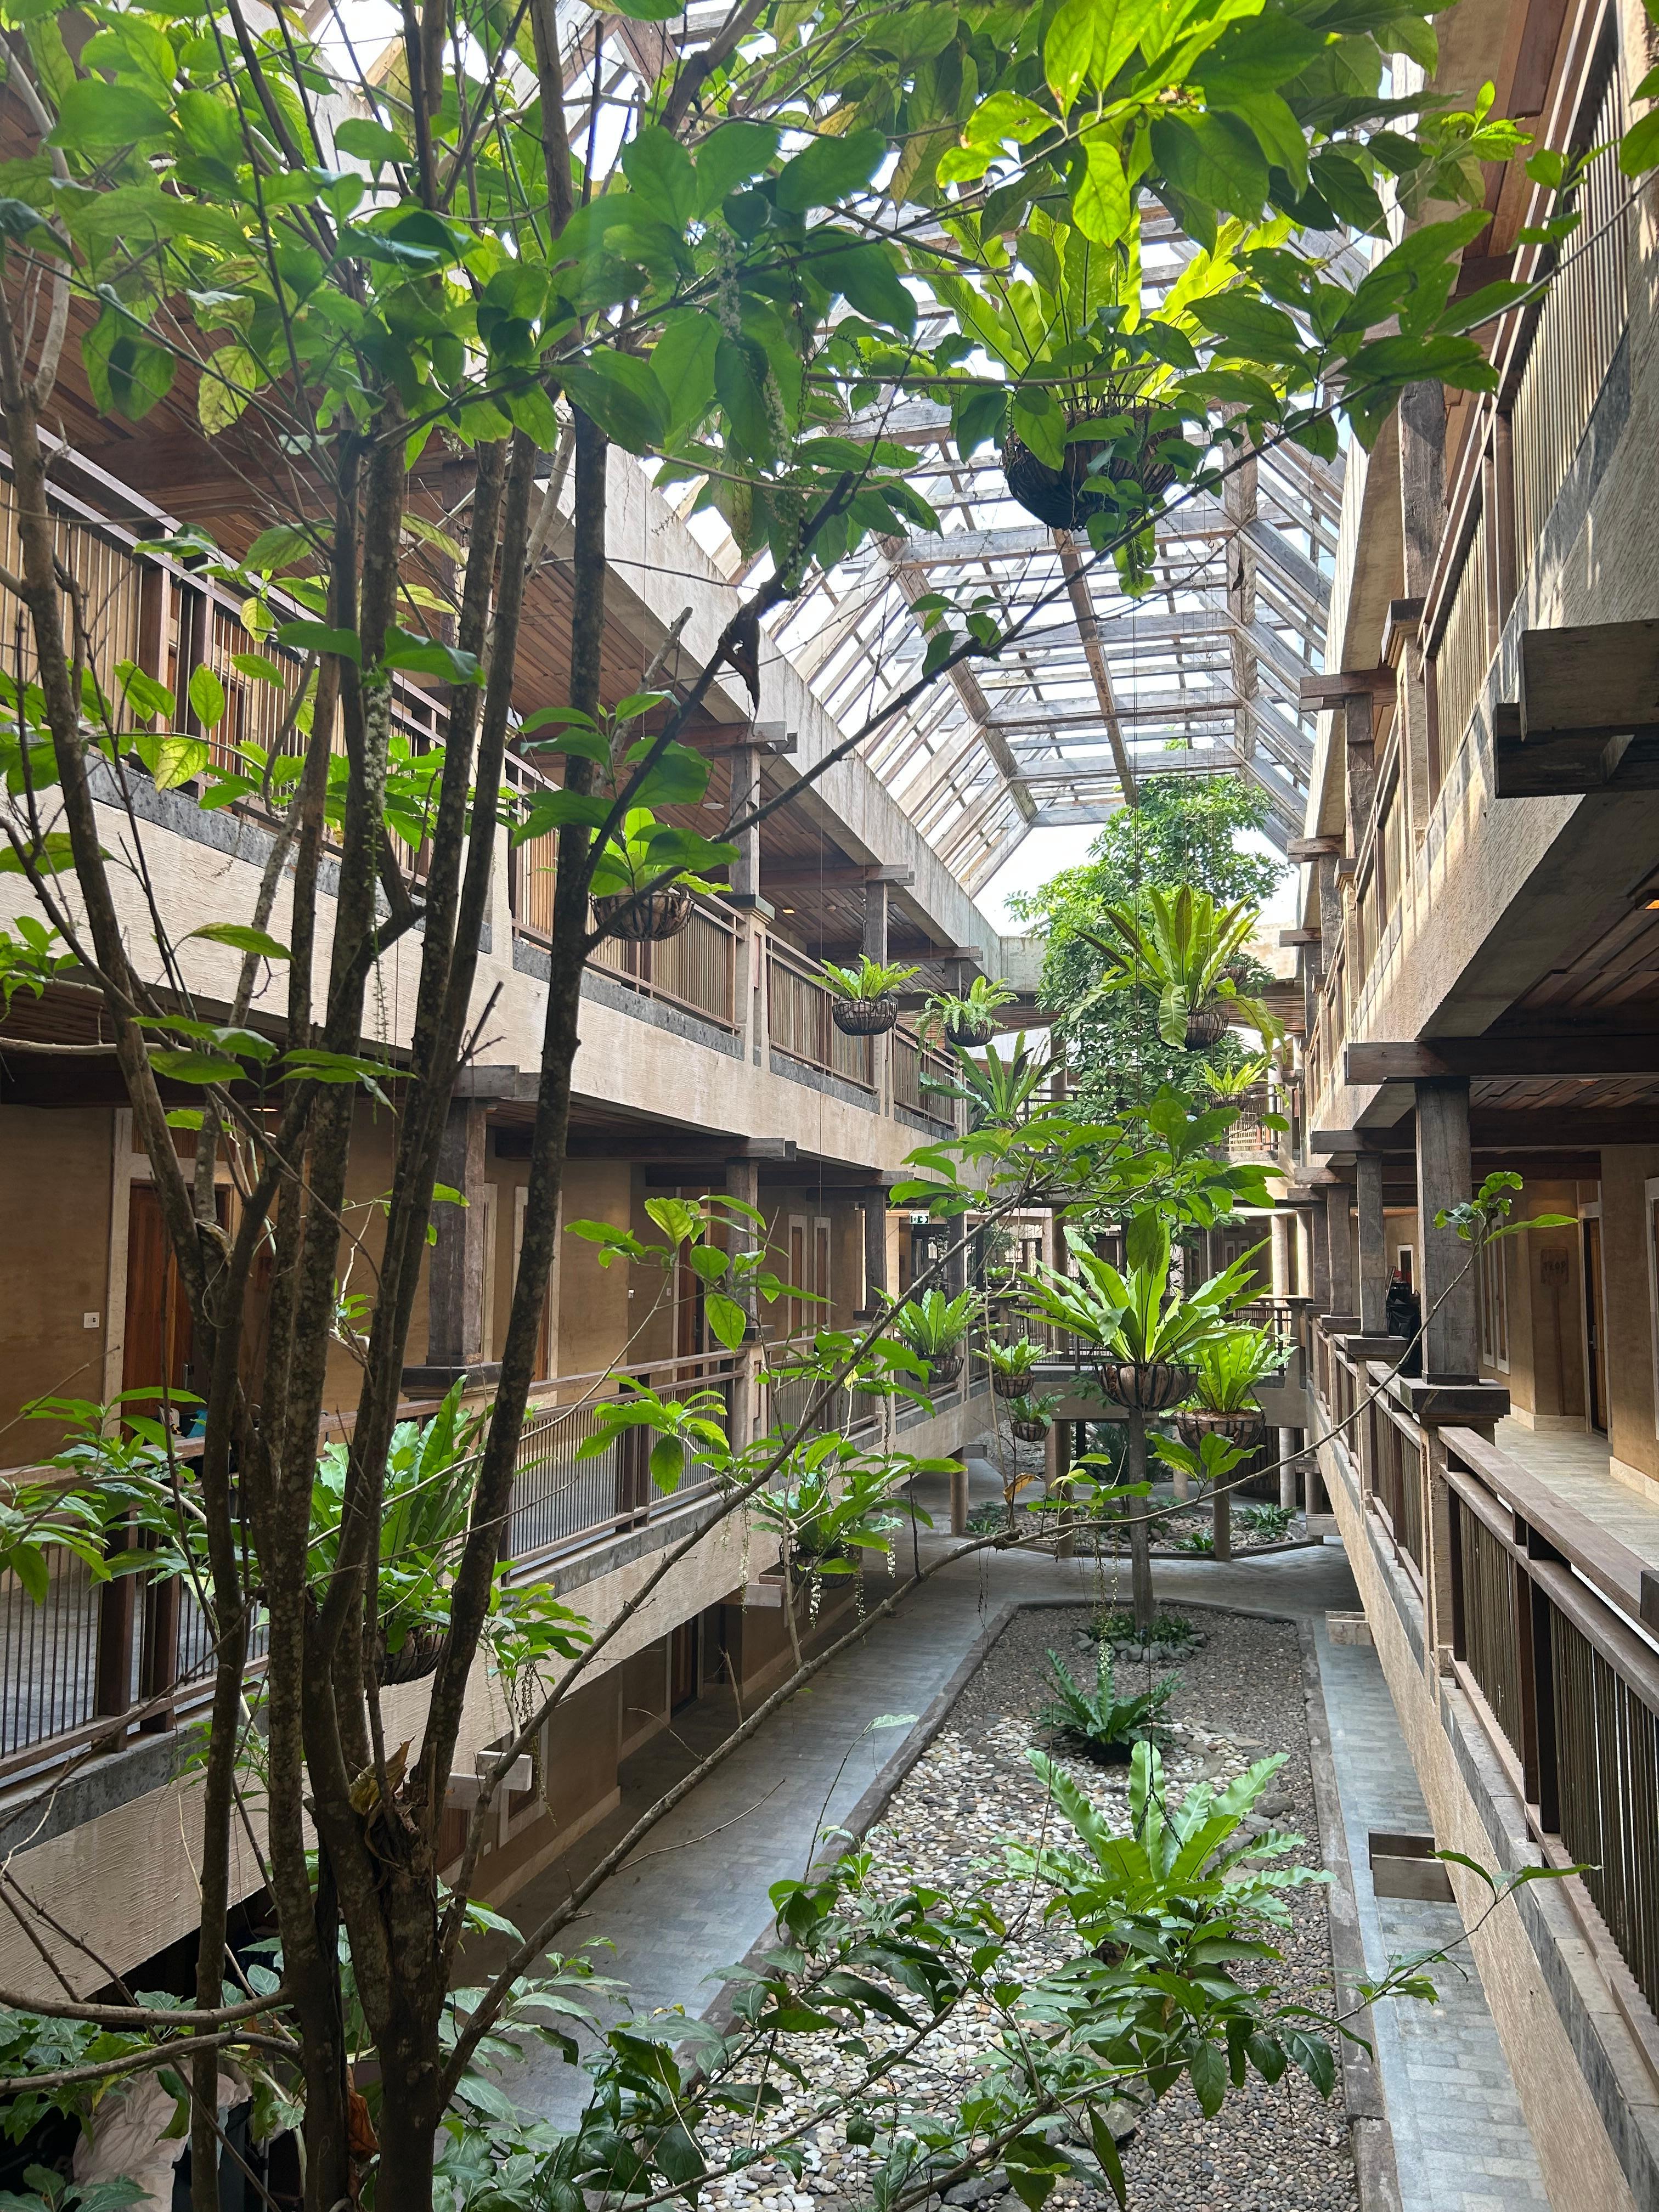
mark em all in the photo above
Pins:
pixel 1358 730
pixel 1373 1246
pixel 875 1249
pixel 113 1661
pixel 1451 1342
pixel 743 1183
pixel 874 947
pixel 1437 1562
pixel 959 1500
pixel 1339 1252
pixel 1330 912
pixel 1288 1448
pixel 1422 417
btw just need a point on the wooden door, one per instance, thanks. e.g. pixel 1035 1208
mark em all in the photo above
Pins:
pixel 1595 1325
pixel 155 1342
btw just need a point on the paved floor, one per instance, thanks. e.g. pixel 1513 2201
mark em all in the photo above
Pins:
pixel 1574 1464
pixel 694 1898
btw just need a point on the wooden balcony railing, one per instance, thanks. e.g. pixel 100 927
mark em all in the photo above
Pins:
pixel 696 970
pixel 802 1025
pixel 916 1066
pixel 1549 1637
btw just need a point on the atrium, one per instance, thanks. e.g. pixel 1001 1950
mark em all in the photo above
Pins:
pixel 829 1105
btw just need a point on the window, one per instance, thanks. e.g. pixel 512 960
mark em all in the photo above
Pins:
pixel 1493 1285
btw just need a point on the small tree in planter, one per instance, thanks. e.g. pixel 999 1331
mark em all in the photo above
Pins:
pixel 1143 1345
pixel 935 1328
pixel 967 1018
pixel 1186 947
pixel 865 997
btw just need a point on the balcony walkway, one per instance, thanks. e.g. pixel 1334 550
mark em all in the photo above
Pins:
pixel 694 1900
pixel 1573 1463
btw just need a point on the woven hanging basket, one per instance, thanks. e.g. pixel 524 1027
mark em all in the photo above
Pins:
pixel 657 916
pixel 864 1016
pixel 1067 496
pixel 1206 1025
pixel 943 1368
pixel 1245 1428
pixel 1010 1386
pixel 970 1033
pixel 416 1657
pixel 1149 1389
pixel 1030 1432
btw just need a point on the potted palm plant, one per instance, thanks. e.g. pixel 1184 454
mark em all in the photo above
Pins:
pixel 1030 1418
pixel 629 900
pixel 934 1328
pixel 1013 1365
pixel 1187 948
pixel 866 998
pixel 966 1017
pixel 1225 1373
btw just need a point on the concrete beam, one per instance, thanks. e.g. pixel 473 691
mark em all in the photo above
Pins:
pixel 1507 1058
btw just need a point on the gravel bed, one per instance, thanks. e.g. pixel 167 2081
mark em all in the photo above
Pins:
pixel 1240 1696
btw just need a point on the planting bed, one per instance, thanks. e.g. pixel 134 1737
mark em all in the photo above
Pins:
pixel 1239 1696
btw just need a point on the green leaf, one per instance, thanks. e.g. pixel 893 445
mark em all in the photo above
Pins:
pixel 740 387
pixel 260 667
pixel 242 939
pixel 1638 149
pixel 827 170
pixel 52 854
pixel 729 157
pixel 428 656
pixel 127 371
pixel 182 1066
pixel 726 1318
pixel 317 637
pixel 660 170
pixel 367 140
pixel 95 116
pixel 1214 160
pixel 865 277
pixel 683 361
pixel 172 758
pixel 1106 2152
pixel 1090 40
pixel 1208 2069
pixel 650 11
pixel 667 1463
pixel 146 697
pixel 621 393
pixel 1101 205
pixel 207 697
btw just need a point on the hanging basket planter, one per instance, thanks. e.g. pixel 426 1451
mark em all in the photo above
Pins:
pixel 1152 1389
pixel 1206 1025
pixel 1245 1428
pixel 943 1368
pixel 1067 496
pixel 864 1016
pixel 650 918
pixel 1010 1386
pixel 415 1658
pixel 1030 1432
pixel 969 1033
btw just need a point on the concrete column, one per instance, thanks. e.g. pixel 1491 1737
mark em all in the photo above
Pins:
pixel 1281 1228
pixel 1373 1246
pixel 743 1183
pixel 1339 1252
pixel 1422 418
pixel 745 796
pixel 1358 731
pixel 875 1249
pixel 1330 911
pixel 455 1267
pixel 1289 1445
pixel 1451 1342
pixel 1318 1273
pixel 875 921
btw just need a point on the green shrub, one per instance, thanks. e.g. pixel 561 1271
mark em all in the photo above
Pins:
pixel 1099 1723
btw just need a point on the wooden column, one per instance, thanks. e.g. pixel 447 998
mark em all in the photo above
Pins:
pixel 455 1267
pixel 1319 1273
pixel 874 947
pixel 1339 1252
pixel 1451 1343
pixel 1422 416
pixel 1330 912
pixel 1373 1246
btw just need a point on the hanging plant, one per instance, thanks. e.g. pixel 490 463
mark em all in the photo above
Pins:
pixel 1187 948
pixel 967 1018
pixel 629 899
pixel 1012 1366
pixel 865 998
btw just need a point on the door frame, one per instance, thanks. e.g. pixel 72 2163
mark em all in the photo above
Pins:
pixel 1595 1296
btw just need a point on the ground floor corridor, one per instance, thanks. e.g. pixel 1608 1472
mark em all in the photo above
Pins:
pixel 693 1899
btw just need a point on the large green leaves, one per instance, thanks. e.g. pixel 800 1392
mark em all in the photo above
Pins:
pixel 829 170
pixel 622 394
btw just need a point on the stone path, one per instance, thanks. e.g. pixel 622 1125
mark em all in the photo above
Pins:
pixel 694 1900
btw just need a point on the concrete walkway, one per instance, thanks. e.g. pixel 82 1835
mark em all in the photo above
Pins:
pixel 1573 1463
pixel 693 1900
